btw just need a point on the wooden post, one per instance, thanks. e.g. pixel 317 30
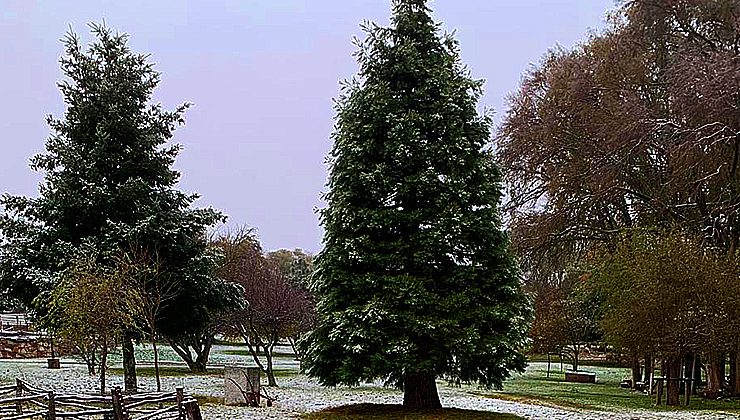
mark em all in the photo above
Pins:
pixel 180 395
pixel 52 407
pixel 118 413
pixel 18 393
pixel 192 411
pixel 659 396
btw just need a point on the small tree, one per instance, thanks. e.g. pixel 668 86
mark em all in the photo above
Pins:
pixel 92 306
pixel 155 290
pixel 276 309
pixel 297 267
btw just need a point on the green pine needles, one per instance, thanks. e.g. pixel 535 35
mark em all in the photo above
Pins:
pixel 416 280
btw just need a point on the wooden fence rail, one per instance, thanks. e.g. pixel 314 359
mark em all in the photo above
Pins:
pixel 24 401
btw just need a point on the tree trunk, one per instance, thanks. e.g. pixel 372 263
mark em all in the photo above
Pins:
pixel 270 373
pixel 575 359
pixel 674 384
pixel 201 362
pixel 197 365
pixel 697 374
pixel 156 363
pixel 420 390
pixel 714 374
pixel 548 364
pixel 735 374
pixel 636 371
pixel 102 369
pixel 129 364
pixel 649 366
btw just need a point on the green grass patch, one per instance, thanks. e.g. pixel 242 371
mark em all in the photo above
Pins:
pixel 389 411
pixel 169 371
pixel 535 386
pixel 555 362
pixel 245 352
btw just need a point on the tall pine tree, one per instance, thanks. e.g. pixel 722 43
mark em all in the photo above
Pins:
pixel 109 183
pixel 416 281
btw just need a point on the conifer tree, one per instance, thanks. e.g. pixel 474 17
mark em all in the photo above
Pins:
pixel 416 281
pixel 109 184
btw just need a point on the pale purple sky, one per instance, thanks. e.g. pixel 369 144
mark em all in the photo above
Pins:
pixel 262 75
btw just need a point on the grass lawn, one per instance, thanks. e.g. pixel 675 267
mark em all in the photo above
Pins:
pixel 245 352
pixel 170 371
pixel 181 371
pixel 535 386
pixel 388 411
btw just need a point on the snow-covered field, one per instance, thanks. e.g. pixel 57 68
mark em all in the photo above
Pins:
pixel 298 394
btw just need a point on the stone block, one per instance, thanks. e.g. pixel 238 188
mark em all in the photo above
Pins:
pixel 241 385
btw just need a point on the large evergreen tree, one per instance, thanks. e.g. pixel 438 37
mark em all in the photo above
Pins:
pixel 415 281
pixel 109 183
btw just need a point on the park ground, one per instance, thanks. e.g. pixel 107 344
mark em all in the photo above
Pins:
pixel 531 395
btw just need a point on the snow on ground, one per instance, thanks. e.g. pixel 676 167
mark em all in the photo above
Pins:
pixel 299 394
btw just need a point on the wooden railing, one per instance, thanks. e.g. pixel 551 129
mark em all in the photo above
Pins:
pixel 23 401
pixel 14 322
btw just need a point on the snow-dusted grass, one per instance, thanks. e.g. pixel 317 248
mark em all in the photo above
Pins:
pixel 298 395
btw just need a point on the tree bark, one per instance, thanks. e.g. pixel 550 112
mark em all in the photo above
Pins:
pixel 674 384
pixel 649 366
pixel 129 364
pixel 715 374
pixel 636 371
pixel 420 390
pixel 156 363
pixel 735 374
pixel 270 372
pixel 103 362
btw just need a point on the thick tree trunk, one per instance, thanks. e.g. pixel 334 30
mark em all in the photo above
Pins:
pixel 129 364
pixel 735 374
pixel 420 390
pixel 636 371
pixel 674 374
pixel 697 374
pixel 715 374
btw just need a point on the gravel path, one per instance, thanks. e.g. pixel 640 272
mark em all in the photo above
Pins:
pixel 298 394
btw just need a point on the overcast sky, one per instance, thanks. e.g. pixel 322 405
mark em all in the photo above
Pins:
pixel 262 75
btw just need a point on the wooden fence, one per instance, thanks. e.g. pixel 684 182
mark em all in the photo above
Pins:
pixel 14 322
pixel 23 401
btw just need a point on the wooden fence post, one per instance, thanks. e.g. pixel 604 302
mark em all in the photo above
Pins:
pixel 118 413
pixel 18 393
pixel 52 407
pixel 192 411
pixel 180 395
